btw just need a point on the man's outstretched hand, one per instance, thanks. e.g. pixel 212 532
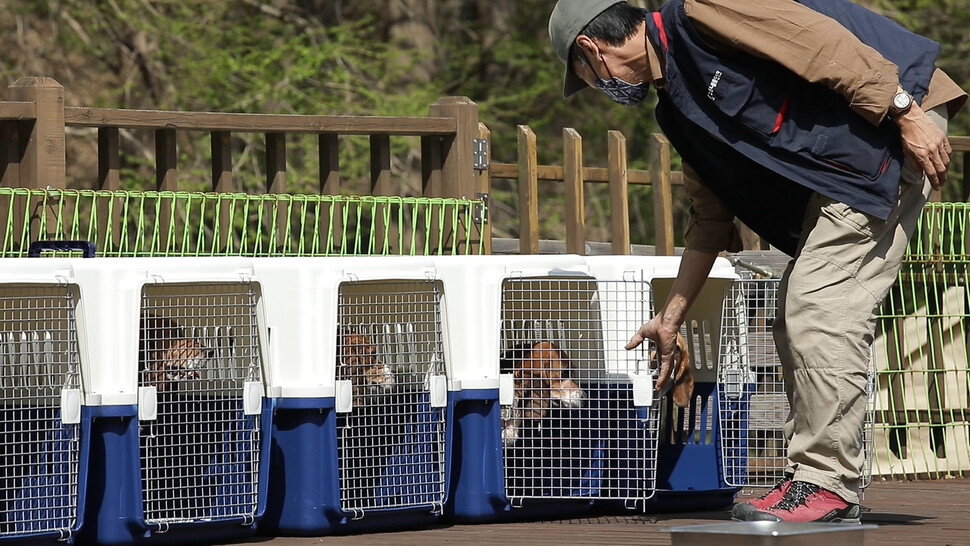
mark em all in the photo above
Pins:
pixel 665 341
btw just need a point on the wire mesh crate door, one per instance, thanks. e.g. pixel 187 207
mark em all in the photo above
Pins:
pixel 752 401
pixel 571 429
pixel 391 444
pixel 39 452
pixel 198 351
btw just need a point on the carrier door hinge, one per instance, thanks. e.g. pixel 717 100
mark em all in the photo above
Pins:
pixel 506 389
pixel 642 390
pixel 480 153
pixel 147 403
pixel 70 406
pixel 481 209
pixel 733 380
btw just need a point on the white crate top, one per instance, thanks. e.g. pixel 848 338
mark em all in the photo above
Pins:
pixel 619 267
pixel 36 270
pixel 499 267
pixel 110 314
pixel 473 295
pixel 298 304
pixel 169 270
pixel 300 298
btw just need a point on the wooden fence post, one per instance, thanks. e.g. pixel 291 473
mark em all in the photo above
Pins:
pixel 166 179
pixel 110 221
pixel 10 151
pixel 457 177
pixel 9 207
pixel 43 160
pixel 485 187
pixel 663 213
pixel 329 150
pixel 276 183
pixel 575 202
pixel 619 194
pixel 457 161
pixel 965 194
pixel 221 145
pixel 380 184
pixel 42 147
pixel 528 192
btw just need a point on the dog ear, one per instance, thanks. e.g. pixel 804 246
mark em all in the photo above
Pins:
pixel 683 387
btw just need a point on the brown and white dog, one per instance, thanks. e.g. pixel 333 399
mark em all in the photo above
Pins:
pixel 165 355
pixel 357 361
pixel 540 381
pixel 681 380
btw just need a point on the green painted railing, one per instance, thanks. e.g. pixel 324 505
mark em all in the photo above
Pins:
pixel 135 223
pixel 921 353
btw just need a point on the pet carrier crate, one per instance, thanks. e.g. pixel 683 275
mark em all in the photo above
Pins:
pixel 359 381
pixel 689 464
pixel 178 399
pixel 753 406
pixel 551 413
pixel 44 430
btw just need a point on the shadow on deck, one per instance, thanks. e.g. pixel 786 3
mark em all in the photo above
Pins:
pixel 919 512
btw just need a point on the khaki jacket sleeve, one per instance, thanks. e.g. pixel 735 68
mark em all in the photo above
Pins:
pixel 710 227
pixel 812 45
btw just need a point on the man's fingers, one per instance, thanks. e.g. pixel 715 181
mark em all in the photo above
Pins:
pixel 663 376
pixel 935 163
pixel 635 341
pixel 938 165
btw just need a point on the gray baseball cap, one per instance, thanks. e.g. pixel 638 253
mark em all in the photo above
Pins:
pixel 568 18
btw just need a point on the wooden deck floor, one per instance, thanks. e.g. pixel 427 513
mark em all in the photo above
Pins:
pixel 924 513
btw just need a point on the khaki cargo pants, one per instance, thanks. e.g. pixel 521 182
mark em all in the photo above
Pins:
pixel 845 264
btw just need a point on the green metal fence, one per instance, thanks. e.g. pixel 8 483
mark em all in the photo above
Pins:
pixel 148 223
pixel 921 353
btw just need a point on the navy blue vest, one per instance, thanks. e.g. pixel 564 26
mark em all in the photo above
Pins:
pixel 777 136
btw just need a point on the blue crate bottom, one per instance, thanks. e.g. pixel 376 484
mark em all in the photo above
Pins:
pixel 605 449
pixel 391 454
pixel 604 458
pixel 199 463
pixel 558 467
pixel 390 471
pixel 41 474
pixel 115 511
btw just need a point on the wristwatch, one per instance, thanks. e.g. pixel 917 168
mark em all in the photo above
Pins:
pixel 901 104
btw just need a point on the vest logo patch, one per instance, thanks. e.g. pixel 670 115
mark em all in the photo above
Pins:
pixel 713 85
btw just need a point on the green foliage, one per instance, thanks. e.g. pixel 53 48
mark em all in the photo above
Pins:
pixel 230 56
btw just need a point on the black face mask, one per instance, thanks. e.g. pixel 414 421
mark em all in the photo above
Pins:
pixel 623 92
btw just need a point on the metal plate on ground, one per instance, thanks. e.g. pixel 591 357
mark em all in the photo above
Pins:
pixel 768 533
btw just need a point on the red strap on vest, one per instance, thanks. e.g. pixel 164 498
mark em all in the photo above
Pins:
pixel 660 25
pixel 781 116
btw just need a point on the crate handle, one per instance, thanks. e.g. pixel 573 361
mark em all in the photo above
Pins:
pixel 37 247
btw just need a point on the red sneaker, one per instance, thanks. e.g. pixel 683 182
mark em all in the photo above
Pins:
pixel 804 502
pixel 742 509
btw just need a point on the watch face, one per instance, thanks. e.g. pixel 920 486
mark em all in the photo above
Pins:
pixel 901 100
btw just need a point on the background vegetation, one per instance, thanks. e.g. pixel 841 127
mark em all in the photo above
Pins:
pixel 381 57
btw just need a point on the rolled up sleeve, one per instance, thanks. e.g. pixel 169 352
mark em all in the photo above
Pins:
pixel 711 226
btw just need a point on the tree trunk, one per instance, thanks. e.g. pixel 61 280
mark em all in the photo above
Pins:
pixel 411 26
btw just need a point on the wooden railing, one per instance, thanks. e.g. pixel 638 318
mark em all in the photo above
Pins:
pixel 574 175
pixel 32 142
pixel 32 154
